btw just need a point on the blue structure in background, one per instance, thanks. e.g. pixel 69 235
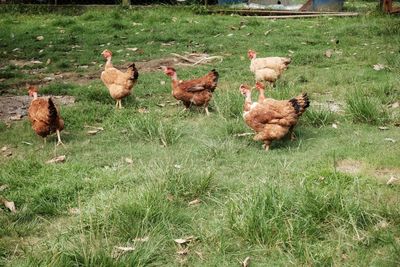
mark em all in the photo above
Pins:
pixel 327 5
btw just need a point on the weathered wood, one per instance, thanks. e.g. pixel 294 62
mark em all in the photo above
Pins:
pixel 344 14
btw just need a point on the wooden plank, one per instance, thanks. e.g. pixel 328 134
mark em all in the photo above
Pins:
pixel 343 14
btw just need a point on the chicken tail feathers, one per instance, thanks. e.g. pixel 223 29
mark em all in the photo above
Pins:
pixel 53 114
pixel 214 79
pixel 135 72
pixel 300 103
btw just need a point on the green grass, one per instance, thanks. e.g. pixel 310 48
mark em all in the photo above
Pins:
pixel 291 206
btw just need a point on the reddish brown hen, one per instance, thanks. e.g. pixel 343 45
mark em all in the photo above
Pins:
pixel 44 116
pixel 272 119
pixel 196 92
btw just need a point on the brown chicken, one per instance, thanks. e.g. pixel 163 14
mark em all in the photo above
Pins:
pixel 44 116
pixel 272 119
pixel 119 83
pixel 196 92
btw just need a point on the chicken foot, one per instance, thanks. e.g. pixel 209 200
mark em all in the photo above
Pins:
pixel 59 142
pixel 118 103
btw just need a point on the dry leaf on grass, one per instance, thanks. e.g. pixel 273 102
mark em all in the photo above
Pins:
pixel 182 241
pixel 3 187
pixel 129 160
pixel 94 129
pixel 246 262
pixel 183 251
pixel 383 128
pixel 8 204
pixel 143 110
pixel 328 53
pixel 141 239
pixel 16 117
pixel 392 180
pixel 132 49
pixel 395 105
pixel 243 134
pixel 40 38
pixel 390 140
pixel 119 251
pixel 379 67
pixel 4 148
pixel 74 211
pixel 194 202
pixel 334 125
pixel 58 159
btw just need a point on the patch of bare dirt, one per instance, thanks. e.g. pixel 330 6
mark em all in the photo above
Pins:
pixel 349 166
pixel 354 167
pixel 16 107
pixel 39 76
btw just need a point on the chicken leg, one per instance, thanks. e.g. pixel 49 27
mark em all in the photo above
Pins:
pixel 206 109
pixel 59 139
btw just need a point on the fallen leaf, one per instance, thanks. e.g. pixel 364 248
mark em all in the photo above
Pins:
pixel 246 262
pixel 57 159
pixel 161 105
pixel 194 202
pixel 125 248
pixel 334 125
pixel 198 253
pixel 229 35
pixel 170 197
pixel 129 160
pixel 26 143
pixel 48 61
pixel 395 104
pixel 328 53
pixel 119 251
pixel 141 239
pixel 390 140
pixel 36 62
pixel 16 117
pixel 74 211
pixel 177 166
pixel 162 82
pixel 4 148
pixel 95 129
pixel 183 251
pixel 186 240
pixel 40 38
pixel 243 134
pixel 132 49
pixel 382 224
pixel 8 204
pixel 267 32
pixel 383 128
pixel 291 52
pixel 378 67
pixel 392 180
pixel 3 187
pixel 143 110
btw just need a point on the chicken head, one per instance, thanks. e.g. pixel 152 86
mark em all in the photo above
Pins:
pixel 106 53
pixel 168 70
pixel 251 54
pixel 244 89
pixel 32 90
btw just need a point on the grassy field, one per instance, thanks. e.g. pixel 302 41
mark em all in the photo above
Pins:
pixel 321 200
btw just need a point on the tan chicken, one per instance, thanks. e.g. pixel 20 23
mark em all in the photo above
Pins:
pixel 44 116
pixel 196 92
pixel 267 75
pixel 278 64
pixel 272 119
pixel 119 83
